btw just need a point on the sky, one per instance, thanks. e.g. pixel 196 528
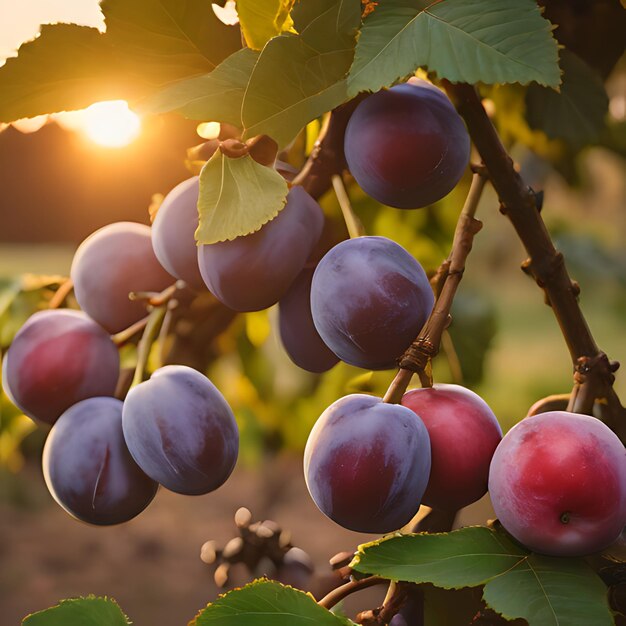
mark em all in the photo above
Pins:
pixel 20 19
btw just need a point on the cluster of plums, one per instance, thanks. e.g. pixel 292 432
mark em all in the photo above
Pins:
pixel 103 458
pixel 557 480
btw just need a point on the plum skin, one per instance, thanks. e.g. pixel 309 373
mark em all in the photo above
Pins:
pixel 299 337
pixel 369 300
pixel 173 233
pixel 88 468
pixel 407 147
pixel 108 265
pixel 56 359
pixel 181 431
pixel 558 484
pixel 464 434
pixel 253 272
pixel 366 464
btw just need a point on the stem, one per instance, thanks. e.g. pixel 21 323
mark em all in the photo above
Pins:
pixel 418 356
pixel 165 330
pixel 545 264
pixel 338 594
pixel 353 223
pixel 145 343
pixel 158 298
pixel 119 339
pixel 60 294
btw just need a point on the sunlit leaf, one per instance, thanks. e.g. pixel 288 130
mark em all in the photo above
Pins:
pixel 237 196
pixel 148 44
pixel 276 92
pixel 263 19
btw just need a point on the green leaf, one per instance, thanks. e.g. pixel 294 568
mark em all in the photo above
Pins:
pixel 263 19
pixel 211 97
pixel 148 44
pixel 472 41
pixel 445 607
pixel 577 112
pixel 473 330
pixel 462 558
pixel 90 611
pixel 267 603
pixel 547 591
pixel 237 196
pixel 294 79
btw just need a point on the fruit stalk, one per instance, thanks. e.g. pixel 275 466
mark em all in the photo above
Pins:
pixel 155 319
pixel 418 356
pixel 545 264
pixel 353 223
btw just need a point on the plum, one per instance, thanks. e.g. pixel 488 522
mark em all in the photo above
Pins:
pixel 300 339
pixel 56 359
pixel 173 233
pixel 108 265
pixel 464 434
pixel 181 431
pixel 369 300
pixel 407 147
pixel 253 272
pixel 558 484
pixel 366 463
pixel 87 466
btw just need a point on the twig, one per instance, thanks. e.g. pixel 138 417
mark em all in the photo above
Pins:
pixel 418 356
pixel 338 594
pixel 353 223
pixel 327 157
pixel 60 294
pixel 158 298
pixel 119 339
pixel 545 264
pixel 145 343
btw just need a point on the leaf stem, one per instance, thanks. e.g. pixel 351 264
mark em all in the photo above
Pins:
pixel 338 594
pixel 353 223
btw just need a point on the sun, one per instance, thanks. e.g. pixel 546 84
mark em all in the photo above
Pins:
pixel 110 124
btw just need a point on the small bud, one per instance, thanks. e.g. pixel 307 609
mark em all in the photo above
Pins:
pixel 243 517
pixel 221 575
pixel 208 552
pixel 233 548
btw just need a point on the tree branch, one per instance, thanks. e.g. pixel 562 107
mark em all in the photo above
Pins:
pixel 545 263
pixel 419 354
pixel 327 157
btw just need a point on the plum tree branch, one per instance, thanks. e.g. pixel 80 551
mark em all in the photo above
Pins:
pixel 545 264
pixel 327 157
pixel 419 354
